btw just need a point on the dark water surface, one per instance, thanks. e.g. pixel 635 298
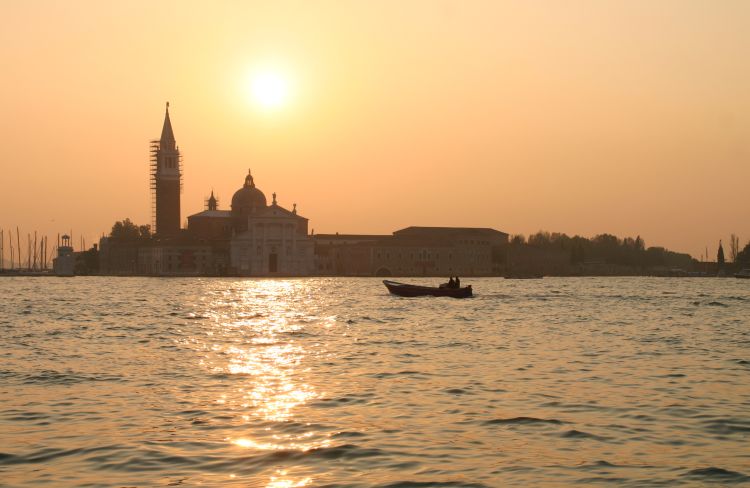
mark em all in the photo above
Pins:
pixel 315 382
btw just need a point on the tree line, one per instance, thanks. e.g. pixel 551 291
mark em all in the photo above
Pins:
pixel 604 248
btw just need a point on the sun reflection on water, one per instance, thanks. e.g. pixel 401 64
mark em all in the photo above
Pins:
pixel 281 481
pixel 256 340
pixel 274 390
pixel 303 442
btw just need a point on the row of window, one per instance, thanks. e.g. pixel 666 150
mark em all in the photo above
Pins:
pixel 420 255
pixel 427 255
pixel 477 243
pixel 398 269
pixel 244 251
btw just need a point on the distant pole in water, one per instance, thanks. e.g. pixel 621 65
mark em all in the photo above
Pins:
pixel 18 242
pixel 10 240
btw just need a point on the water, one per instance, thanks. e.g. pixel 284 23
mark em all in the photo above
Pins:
pixel 332 382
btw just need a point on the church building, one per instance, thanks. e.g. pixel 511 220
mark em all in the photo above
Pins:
pixel 268 239
pixel 253 238
pixel 263 240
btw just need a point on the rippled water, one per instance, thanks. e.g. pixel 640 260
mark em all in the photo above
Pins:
pixel 315 382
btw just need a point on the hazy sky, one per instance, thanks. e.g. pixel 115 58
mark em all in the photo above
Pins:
pixel 583 117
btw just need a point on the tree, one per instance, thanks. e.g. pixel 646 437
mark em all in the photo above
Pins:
pixel 517 240
pixel 127 231
pixel 720 256
pixel 734 247
pixel 744 255
pixel 540 239
pixel 639 244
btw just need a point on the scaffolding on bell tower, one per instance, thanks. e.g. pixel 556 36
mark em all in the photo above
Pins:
pixel 153 169
pixel 165 172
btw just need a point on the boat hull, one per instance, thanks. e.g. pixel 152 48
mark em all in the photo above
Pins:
pixel 405 290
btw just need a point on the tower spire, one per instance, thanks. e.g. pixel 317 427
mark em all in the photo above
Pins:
pixel 167 135
pixel 166 181
pixel 212 203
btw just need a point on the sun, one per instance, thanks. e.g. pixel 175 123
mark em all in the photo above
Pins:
pixel 269 89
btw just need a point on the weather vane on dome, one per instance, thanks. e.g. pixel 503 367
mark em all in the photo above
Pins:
pixel 249 179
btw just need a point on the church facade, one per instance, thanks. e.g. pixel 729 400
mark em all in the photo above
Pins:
pixel 260 239
pixel 268 240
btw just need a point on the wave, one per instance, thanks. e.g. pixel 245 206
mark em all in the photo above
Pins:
pixel 577 434
pixel 418 484
pixel 49 454
pixel 523 421
pixel 66 378
pixel 387 374
pixel 727 426
pixel 717 474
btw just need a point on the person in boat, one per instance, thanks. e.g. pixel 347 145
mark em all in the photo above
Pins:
pixel 457 283
pixel 449 284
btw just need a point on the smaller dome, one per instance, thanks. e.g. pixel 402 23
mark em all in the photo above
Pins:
pixel 248 197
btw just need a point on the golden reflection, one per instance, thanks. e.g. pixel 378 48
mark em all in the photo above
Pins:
pixel 256 336
pixel 304 442
pixel 282 481
pixel 274 391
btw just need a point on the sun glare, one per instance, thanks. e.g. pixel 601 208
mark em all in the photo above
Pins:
pixel 269 89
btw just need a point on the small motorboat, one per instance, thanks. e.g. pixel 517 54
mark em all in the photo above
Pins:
pixel 743 273
pixel 406 290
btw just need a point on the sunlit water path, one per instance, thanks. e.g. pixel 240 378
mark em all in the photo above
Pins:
pixel 315 382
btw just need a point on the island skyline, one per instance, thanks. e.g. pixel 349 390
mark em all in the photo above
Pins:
pixel 485 116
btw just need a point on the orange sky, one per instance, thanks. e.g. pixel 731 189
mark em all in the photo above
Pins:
pixel 584 117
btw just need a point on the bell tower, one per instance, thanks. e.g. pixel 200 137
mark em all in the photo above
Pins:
pixel 166 182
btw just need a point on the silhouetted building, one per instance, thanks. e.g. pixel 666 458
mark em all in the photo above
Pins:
pixel 413 251
pixel 268 239
pixel 254 238
pixel 166 181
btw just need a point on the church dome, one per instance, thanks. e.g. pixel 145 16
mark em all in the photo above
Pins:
pixel 248 197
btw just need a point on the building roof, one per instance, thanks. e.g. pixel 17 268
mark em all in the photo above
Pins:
pixel 277 210
pixel 248 197
pixel 219 214
pixel 351 237
pixel 424 231
pixel 415 242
